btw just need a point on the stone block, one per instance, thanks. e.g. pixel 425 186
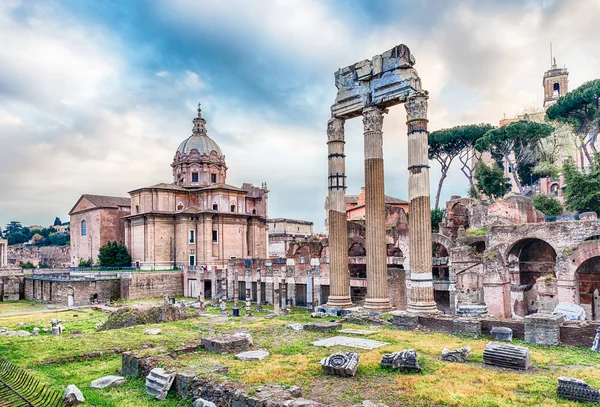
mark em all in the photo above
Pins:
pixel 158 383
pixel 107 381
pixel 356 331
pixel 472 310
pixel 341 364
pixel 501 333
pixel 578 390
pixel 322 326
pixel 404 321
pixel 504 355
pixel 295 327
pixel 72 396
pixel 154 331
pixel 543 329
pixel 588 216
pixel 252 355
pixel 349 341
pixel 458 355
pixel 466 327
pixel 130 365
pixel 226 343
pixel 571 312
pixel 203 403
pixel 405 360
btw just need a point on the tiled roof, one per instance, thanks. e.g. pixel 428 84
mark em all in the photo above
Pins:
pixel 103 201
pixel 351 199
pixel 392 200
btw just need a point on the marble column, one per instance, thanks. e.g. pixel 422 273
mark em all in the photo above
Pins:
pixel 201 290
pixel 419 219
pixel 378 296
pixel 283 290
pixel 223 297
pixel 339 294
pixel 258 291
pixel 276 291
pixel 236 293
pixel 248 292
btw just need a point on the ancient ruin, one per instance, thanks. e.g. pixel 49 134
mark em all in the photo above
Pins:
pixel 367 88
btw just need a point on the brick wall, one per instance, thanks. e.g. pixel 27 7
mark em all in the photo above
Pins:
pixel 517 326
pixel 84 292
pixel 152 284
pixel 578 333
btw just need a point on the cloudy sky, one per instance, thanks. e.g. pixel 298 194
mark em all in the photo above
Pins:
pixel 95 96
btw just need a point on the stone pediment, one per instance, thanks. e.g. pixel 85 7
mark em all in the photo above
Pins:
pixel 385 80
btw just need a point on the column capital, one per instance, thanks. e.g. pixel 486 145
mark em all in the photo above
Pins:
pixel 373 118
pixel 416 107
pixel 335 129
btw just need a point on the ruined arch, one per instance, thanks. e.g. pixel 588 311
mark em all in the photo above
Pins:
pixel 529 259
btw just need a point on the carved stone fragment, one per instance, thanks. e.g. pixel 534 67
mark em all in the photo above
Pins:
pixel 501 333
pixel 578 390
pixel 504 355
pixel 341 364
pixel 596 343
pixel 405 360
pixel 458 355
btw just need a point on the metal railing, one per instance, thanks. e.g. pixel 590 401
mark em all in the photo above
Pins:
pixel 18 388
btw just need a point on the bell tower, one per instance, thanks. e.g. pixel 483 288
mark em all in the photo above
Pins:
pixel 555 82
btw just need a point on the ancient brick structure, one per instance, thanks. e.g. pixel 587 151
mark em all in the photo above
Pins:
pixel 72 291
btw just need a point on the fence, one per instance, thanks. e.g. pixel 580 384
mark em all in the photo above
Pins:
pixel 18 388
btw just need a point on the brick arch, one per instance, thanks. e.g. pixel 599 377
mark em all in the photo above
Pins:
pixel 442 240
pixel 521 241
pixel 584 252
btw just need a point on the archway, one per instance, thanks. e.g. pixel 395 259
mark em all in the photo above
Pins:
pixel 441 276
pixel 528 260
pixel 588 275
pixel 459 215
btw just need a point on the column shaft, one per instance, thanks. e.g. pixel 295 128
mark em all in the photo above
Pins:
pixel 419 219
pixel 377 285
pixel 339 296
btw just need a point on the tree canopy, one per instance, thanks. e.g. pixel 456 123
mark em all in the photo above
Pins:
pixel 114 254
pixel 447 144
pixel 582 192
pixel 57 221
pixel 580 108
pixel 515 142
pixel 491 180
pixel 548 205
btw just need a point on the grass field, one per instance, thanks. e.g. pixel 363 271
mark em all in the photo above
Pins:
pixel 81 358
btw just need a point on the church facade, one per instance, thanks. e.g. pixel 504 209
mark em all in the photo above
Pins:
pixel 199 219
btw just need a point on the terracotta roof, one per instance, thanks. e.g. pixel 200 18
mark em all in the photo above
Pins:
pixel 351 199
pixel 392 200
pixel 223 186
pixel 103 201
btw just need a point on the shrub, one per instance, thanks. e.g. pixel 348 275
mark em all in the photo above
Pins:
pixel 547 205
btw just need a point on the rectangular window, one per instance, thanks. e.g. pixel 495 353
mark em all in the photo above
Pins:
pixel 215 236
pixel 213 178
pixel 194 177
pixel 191 236
pixel 83 228
pixel 192 261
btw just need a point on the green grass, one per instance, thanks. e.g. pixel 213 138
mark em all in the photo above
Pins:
pixel 14 307
pixel 76 359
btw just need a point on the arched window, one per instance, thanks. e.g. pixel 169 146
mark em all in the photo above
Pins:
pixel 180 206
pixel 556 89
pixel 83 228
pixel 232 208
pixel 215 207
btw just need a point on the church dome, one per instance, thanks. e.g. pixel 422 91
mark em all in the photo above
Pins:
pixel 201 142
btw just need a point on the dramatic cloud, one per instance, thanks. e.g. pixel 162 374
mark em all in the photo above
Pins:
pixel 96 96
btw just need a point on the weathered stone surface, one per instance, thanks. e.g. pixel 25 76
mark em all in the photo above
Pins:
pixel 501 333
pixel 578 390
pixel 588 216
pixel 543 329
pixel 107 381
pixel 127 316
pixel 130 365
pixel 405 360
pixel 466 327
pixel 252 355
pixel 158 383
pixel 226 343
pixel 459 355
pixel 300 402
pixel 322 326
pixel 341 364
pixel 318 314
pixel 154 331
pixel 472 310
pixel 596 343
pixel 369 403
pixel 245 335
pixel 404 321
pixel 203 403
pixel 35 331
pixel 356 331
pixel 364 318
pixel 15 333
pixel 571 312
pixel 73 396
pixel 295 327
pixel 349 341
pixel 504 355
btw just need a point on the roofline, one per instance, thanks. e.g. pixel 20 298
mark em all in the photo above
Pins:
pixel 288 220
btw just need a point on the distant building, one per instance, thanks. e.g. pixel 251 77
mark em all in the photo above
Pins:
pixel 3 252
pixel 283 232
pixel 95 220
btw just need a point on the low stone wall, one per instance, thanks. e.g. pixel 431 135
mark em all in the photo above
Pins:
pixel 138 285
pixel 575 333
pixel 219 389
pixel 84 292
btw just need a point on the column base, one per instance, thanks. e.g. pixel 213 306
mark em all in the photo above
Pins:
pixel 423 308
pixel 378 304
pixel 343 301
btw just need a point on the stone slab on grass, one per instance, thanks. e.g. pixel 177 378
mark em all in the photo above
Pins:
pixel 252 355
pixel 107 381
pixel 356 331
pixel 322 326
pixel 227 343
pixel 351 342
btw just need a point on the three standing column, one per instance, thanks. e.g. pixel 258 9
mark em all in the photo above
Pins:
pixel 419 219
pixel 339 296
pixel 378 297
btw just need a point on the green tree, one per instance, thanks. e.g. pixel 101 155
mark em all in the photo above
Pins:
pixel 580 108
pixel 582 192
pixel 547 205
pixel 516 143
pixel 27 265
pixel 437 215
pixel 447 144
pixel 85 263
pixel 57 221
pixel 491 180
pixel 114 254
